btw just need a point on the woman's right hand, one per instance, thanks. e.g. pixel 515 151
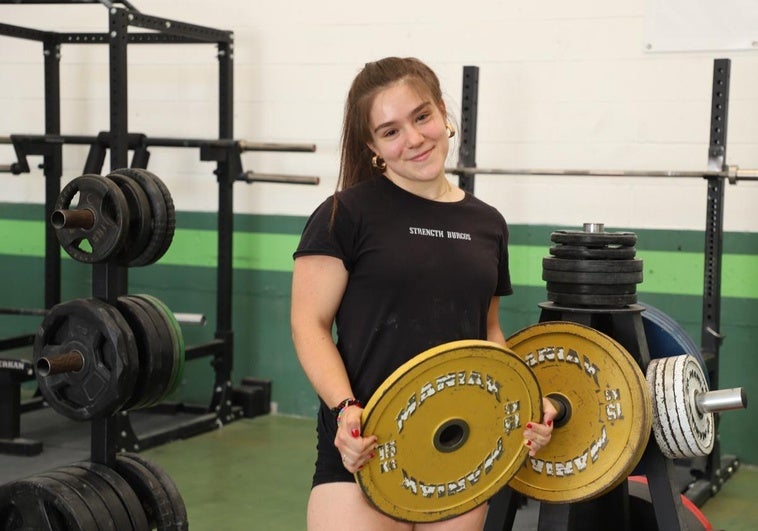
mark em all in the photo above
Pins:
pixel 355 449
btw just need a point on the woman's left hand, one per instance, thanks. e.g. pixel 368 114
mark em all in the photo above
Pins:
pixel 537 436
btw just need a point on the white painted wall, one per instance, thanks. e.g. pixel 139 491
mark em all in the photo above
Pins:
pixel 562 85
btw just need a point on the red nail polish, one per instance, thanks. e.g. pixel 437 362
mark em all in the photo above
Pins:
pixel 355 432
pixel 528 443
pixel 549 423
pixel 528 425
pixel 371 455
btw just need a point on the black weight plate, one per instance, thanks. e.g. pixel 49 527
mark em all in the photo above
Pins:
pixel 589 300
pixel 592 266
pixel 590 289
pixel 104 338
pixel 123 490
pixel 89 496
pixel 574 277
pixel 153 374
pixel 110 209
pixel 162 509
pixel 159 210
pixel 140 219
pixel 176 337
pixel 114 516
pixel 40 503
pixel 165 349
pixel 171 222
pixel 585 253
pixel 177 502
pixel 594 239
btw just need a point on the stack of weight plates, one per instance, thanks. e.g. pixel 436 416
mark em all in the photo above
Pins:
pixel 592 268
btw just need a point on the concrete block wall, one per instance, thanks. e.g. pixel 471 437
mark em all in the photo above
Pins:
pixel 562 85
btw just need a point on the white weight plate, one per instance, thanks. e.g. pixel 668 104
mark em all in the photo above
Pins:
pixel 661 423
pixel 696 427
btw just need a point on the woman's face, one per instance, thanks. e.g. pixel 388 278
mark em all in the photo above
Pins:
pixel 408 132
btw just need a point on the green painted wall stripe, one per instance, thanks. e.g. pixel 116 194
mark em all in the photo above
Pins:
pixel 664 272
pixel 537 235
pixel 671 272
pixel 252 250
pixel 647 239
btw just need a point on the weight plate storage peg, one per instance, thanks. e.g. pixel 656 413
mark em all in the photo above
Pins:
pixel 86 359
pixel 449 425
pixel 94 229
pixel 606 412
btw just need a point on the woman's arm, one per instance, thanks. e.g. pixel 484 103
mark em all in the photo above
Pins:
pixel 318 284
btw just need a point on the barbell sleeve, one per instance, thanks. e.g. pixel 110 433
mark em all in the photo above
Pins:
pixel 721 400
pixel 82 218
pixel 269 146
pixel 251 177
pixel 70 362
pixel 196 319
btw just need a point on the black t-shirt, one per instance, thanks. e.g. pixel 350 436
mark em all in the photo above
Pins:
pixel 421 273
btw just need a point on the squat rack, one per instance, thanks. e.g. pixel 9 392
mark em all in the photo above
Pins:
pixel 717 468
pixel 109 281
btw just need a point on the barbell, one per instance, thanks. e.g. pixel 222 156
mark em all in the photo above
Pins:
pixel 731 172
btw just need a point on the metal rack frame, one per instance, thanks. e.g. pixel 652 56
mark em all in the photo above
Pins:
pixel 716 468
pixel 109 281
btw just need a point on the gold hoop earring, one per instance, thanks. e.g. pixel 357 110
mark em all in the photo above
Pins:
pixel 378 163
pixel 450 130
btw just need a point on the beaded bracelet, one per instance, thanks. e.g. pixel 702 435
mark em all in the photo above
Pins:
pixel 342 406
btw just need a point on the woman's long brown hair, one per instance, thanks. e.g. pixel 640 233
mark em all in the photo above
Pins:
pixel 355 162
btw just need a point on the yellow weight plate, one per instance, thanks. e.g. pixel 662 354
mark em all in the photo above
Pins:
pixel 609 416
pixel 449 424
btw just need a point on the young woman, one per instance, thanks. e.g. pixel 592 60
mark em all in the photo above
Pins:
pixel 401 261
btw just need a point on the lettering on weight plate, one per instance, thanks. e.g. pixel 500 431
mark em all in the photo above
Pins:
pixel 559 354
pixel 613 405
pixel 512 418
pixel 574 465
pixel 442 383
pixel 387 453
pixel 453 486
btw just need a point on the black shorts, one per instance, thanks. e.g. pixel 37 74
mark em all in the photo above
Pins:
pixel 329 467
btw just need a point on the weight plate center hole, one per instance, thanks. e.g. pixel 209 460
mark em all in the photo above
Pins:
pixel 563 405
pixel 451 435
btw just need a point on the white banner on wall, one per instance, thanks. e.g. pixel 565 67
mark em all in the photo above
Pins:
pixel 701 25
